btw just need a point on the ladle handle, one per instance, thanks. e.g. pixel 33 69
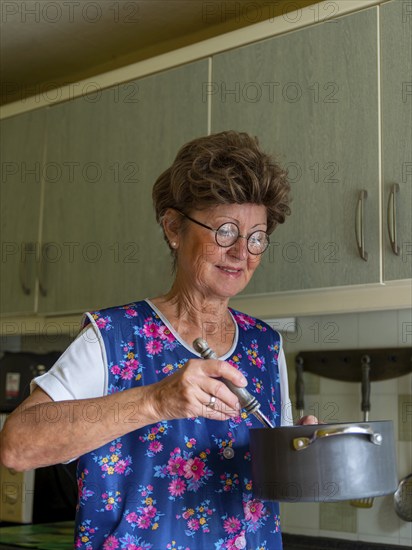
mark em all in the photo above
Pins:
pixel 248 403
pixel 299 386
pixel 247 400
pixel 366 387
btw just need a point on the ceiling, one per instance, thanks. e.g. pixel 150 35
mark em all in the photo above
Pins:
pixel 50 43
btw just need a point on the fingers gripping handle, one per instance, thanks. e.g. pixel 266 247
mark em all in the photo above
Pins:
pixel 247 401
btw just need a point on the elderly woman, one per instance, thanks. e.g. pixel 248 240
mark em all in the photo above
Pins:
pixel 163 443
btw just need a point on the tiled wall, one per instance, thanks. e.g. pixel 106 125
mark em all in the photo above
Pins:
pixel 334 401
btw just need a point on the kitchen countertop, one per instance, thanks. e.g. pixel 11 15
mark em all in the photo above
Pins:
pixel 303 542
pixel 43 536
pixel 59 536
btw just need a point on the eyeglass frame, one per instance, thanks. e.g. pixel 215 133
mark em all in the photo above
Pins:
pixel 215 231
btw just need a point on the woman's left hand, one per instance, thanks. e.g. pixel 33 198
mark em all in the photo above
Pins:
pixel 310 419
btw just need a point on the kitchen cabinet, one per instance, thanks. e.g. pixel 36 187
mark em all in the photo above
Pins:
pixel 396 63
pixel 84 235
pixel 100 242
pixel 311 97
pixel 22 149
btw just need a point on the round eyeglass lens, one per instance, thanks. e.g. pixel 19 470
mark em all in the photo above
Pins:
pixel 257 242
pixel 227 234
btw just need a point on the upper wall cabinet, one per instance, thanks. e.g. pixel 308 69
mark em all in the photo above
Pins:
pixel 101 243
pixel 22 149
pixel 77 224
pixel 311 97
pixel 396 55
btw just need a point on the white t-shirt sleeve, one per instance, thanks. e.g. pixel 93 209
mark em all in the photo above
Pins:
pixel 286 418
pixel 80 372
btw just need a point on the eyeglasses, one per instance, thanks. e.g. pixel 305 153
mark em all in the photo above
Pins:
pixel 228 233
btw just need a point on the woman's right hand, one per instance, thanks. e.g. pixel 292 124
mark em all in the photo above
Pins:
pixel 187 392
pixel 78 426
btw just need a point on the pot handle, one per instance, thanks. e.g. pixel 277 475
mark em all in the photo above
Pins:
pixel 301 443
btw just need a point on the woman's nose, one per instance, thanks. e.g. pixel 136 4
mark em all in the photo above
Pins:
pixel 239 248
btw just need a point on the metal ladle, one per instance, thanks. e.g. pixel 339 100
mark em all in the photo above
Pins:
pixel 249 403
pixel 403 498
pixel 365 502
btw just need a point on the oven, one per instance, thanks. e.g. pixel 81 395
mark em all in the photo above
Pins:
pixel 45 494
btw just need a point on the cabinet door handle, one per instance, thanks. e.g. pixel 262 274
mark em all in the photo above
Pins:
pixel 29 248
pixel 41 272
pixel 392 230
pixel 359 225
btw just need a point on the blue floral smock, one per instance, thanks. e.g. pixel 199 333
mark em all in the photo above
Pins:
pixel 181 484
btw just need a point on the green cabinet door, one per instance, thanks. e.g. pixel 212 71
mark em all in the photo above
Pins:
pixel 396 78
pixel 100 239
pixel 22 144
pixel 311 97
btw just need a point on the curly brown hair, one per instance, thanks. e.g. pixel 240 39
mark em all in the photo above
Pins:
pixel 224 168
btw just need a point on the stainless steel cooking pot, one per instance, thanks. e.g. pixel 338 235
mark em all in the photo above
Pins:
pixel 324 462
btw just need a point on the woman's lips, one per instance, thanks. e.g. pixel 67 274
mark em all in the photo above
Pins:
pixel 233 271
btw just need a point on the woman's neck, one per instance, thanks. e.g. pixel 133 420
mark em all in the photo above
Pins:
pixel 193 315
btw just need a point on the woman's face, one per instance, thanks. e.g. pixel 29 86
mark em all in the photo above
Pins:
pixel 212 270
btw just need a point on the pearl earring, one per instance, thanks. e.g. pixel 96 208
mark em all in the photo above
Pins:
pixel 173 244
